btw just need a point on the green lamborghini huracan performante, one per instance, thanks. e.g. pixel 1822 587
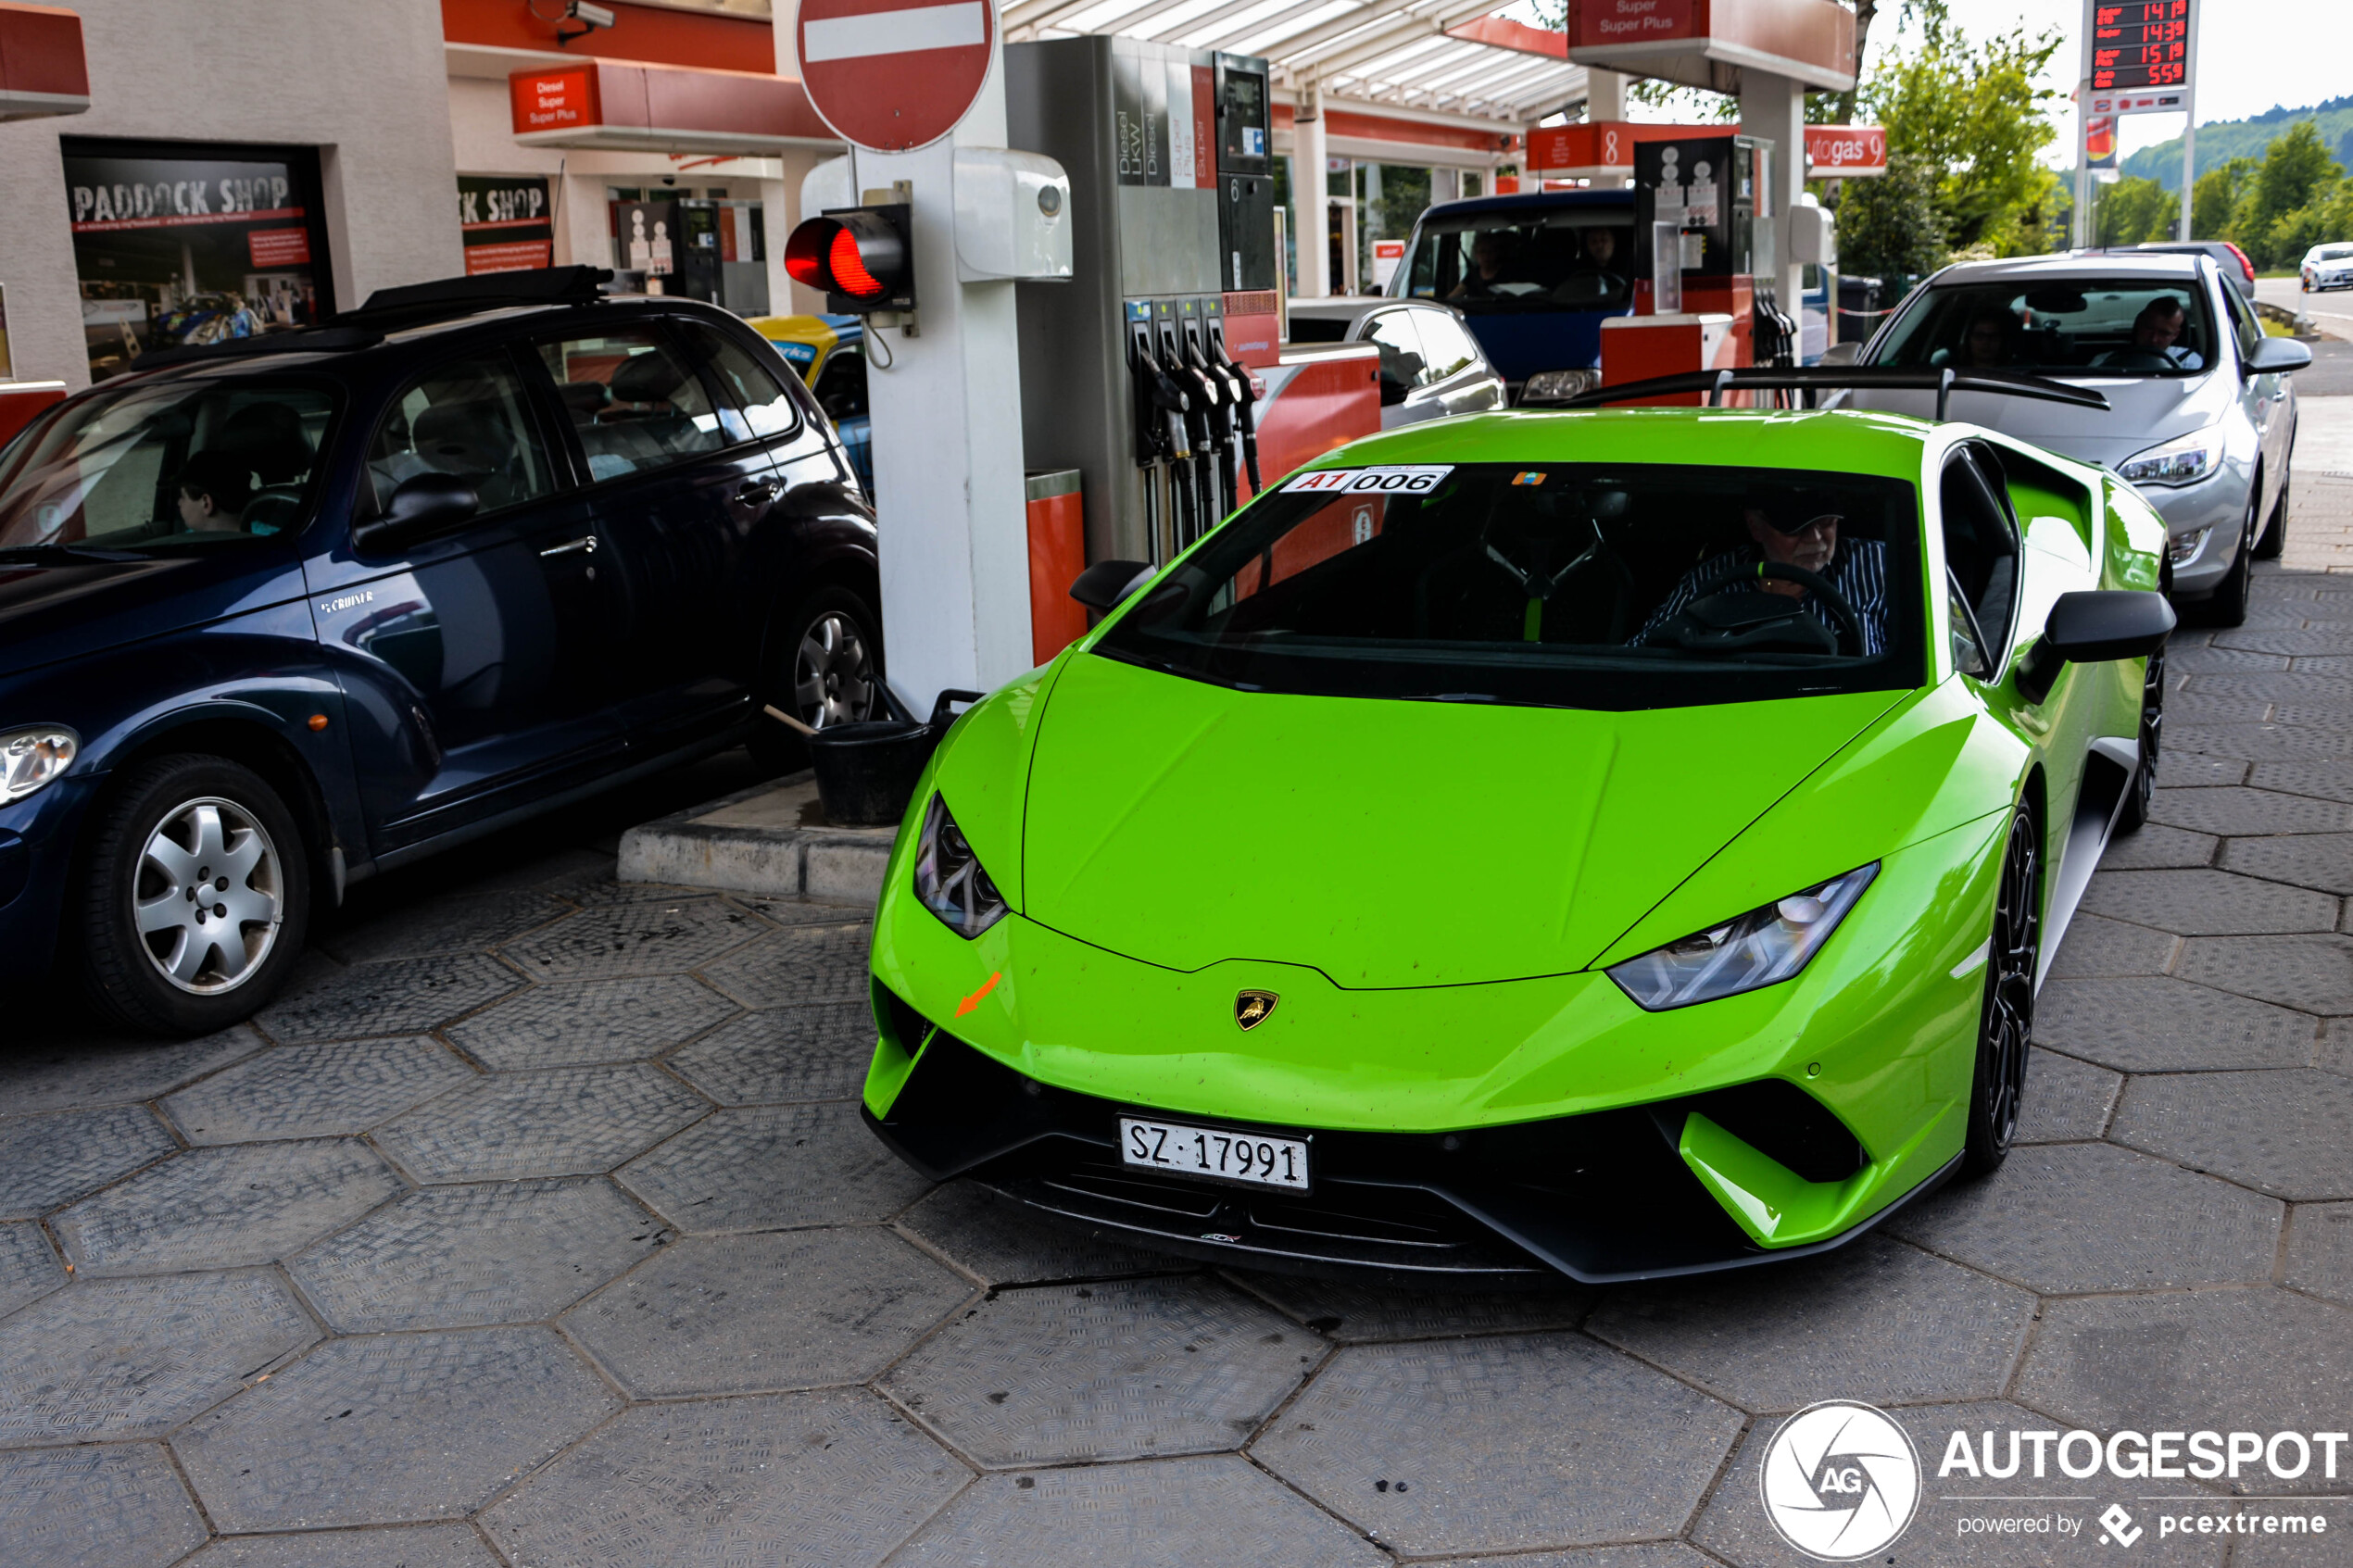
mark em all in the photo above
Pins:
pixel 1611 843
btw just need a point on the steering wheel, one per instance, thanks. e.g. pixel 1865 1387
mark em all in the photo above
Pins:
pixel 1850 625
pixel 2134 359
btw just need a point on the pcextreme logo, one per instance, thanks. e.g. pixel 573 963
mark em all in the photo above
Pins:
pixel 1841 1481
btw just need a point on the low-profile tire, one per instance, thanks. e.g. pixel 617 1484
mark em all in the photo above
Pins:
pixel 2275 537
pixel 196 899
pixel 2228 605
pixel 2005 1023
pixel 2141 792
pixel 824 667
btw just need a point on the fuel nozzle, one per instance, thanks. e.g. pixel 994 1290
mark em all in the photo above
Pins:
pixel 1245 401
pixel 1161 406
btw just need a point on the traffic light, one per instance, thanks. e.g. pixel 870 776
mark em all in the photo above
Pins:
pixel 862 256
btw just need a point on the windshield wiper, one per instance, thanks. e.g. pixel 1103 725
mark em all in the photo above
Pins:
pixel 75 552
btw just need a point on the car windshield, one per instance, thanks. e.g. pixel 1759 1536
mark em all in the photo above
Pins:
pixel 1550 584
pixel 1572 258
pixel 2063 327
pixel 198 463
pixel 2332 253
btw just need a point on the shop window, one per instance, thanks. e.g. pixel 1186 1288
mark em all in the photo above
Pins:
pixel 635 403
pixel 469 418
pixel 179 244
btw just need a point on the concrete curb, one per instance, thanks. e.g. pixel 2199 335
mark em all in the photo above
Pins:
pixel 754 841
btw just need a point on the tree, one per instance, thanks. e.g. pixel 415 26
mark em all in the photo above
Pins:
pixel 1971 113
pixel 2215 199
pixel 2134 210
pixel 1933 16
pixel 1890 227
pixel 2294 171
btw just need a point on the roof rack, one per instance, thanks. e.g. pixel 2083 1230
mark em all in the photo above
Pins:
pixel 1813 379
pixel 302 340
pixel 414 304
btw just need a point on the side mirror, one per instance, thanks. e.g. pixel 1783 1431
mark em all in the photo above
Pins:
pixel 1102 585
pixel 2095 627
pixel 427 504
pixel 2275 355
pixel 1841 353
pixel 1392 391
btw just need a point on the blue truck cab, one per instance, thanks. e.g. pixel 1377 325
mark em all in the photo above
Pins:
pixel 1535 276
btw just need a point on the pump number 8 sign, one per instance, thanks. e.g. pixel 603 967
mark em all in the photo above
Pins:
pixel 890 76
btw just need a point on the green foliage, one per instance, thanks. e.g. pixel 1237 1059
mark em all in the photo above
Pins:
pixel 2134 210
pixel 2220 142
pixel 1971 114
pixel 2214 199
pixel 2288 197
pixel 1891 227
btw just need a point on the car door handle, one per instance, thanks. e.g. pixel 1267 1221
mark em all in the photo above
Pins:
pixel 756 491
pixel 586 542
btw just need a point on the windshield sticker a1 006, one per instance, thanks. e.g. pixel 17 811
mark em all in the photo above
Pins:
pixel 1565 585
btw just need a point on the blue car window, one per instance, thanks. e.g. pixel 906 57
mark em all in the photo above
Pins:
pixel 466 418
pixel 635 403
pixel 167 462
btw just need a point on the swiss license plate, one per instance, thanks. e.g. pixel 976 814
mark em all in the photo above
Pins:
pixel 1252 1158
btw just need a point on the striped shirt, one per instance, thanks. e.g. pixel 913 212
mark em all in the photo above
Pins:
pixel 1858 571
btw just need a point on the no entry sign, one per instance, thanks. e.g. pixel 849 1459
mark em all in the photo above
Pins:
pixel 890 76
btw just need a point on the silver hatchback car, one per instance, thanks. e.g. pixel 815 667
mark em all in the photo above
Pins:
pixel 2201 413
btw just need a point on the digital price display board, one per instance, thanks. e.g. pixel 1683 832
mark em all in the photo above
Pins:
pixel 2140 43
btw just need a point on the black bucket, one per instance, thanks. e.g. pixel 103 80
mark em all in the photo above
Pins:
pixel 866 771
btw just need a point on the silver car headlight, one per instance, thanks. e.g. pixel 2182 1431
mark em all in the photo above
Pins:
pixel 2185 459
pixel 1558 386
pixel 950 878
pixel 31 758
pixel 1762 947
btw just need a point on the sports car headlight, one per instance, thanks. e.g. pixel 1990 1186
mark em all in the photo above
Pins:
pixel 1761 948
pixel 950 878
pixel 1558 386
pixel 29 759
pixel 2185 459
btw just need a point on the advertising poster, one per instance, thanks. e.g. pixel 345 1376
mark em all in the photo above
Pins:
pixel 506 221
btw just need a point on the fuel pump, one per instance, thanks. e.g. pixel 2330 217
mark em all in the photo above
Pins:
pixel 1163 444
pixel 1225 434
pixel 1245 401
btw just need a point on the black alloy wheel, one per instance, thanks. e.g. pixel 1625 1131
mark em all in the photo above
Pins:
pixel 826 668
pixel 2141 794
pixel 2007 1026
pixel 2228 606
pixel 2274 538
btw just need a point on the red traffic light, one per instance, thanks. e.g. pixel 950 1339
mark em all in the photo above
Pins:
pixel 861 256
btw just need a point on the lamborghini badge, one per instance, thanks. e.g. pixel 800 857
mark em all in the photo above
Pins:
pixel 1253 1008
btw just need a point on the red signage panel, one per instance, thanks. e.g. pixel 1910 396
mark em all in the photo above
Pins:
pixel 274 248
pixel 2138 43
pixel 1636 21
pixel 553 100
pixel 1844 152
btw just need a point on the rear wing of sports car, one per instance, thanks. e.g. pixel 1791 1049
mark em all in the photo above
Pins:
pixel 1814 380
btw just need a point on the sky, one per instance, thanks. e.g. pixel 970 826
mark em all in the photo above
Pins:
pixel 2251 55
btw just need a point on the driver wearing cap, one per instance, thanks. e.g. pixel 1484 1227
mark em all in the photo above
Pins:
pixel 1799 531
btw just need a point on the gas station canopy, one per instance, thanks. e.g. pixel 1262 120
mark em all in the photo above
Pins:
pixel 1708 44
pixel 1451 61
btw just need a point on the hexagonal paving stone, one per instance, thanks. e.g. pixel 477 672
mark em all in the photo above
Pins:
pixel 2208 903
pixel 2259 743
pixel 2067 1100
pixel 2314 974
pixel 134 1358
pixel 2160 1025
pixel 1358 1313
pixel 1156 1513
pixel 218 1208
pixel 761 1314
pixel 783 1054
pixel 94 1508
pixel 455 923
pixel 1657 1554
pixel 315 1091
pixel 30 1267
pixel 459 1257
pixel 1120 1370
pixel 833 1479
pixel 1734 1525
pixel 822 963
pixel 67 1074
pixel 2328 781
pixel 2198 706
pixel 2249 1360
pixel 391 1428
pixel 766 1167
pixel 2095 946
pixel 2335 1051
pixel 565 1122
pixel 661 936
pixel 2323 861
pixel 2197 660
pixel 2320 1251
pixel 2078 1217
pixel 52 1160
pixel 1492 1445
pixel 2244 810
pixel 2186 769
pixel 2304 643
pixel 2284 1132
pixel 2158 846
pixel 403 996
pixel 1876 1321
pixel 1010 1243
pixel 414 1546
pixel 594 1020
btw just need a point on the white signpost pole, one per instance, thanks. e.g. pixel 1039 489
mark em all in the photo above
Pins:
pixel 2189 125
pixel 2081 221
